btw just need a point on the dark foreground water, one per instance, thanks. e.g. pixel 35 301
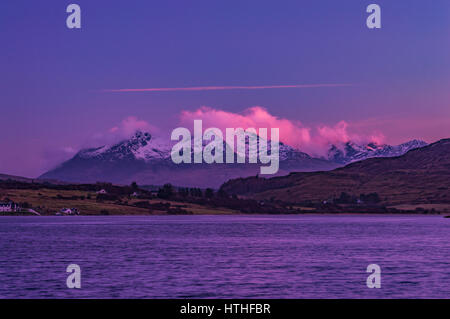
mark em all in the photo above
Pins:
pixel 225 256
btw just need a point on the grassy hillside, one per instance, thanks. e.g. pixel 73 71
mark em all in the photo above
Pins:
pixel 421 176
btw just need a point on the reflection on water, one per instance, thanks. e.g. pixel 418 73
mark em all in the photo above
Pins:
pixel 225 256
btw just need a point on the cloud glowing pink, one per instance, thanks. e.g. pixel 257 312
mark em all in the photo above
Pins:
pixel 313 140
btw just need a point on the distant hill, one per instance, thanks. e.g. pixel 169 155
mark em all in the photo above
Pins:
pixel 420 176
pixel 4 177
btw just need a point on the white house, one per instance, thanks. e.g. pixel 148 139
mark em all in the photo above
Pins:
pixel 9 207
pixel 69 211
pixel 102 191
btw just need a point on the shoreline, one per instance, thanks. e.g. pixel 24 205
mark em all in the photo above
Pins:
pixel 446 215
pixel 110 200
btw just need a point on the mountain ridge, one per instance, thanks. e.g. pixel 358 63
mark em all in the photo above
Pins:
pixel 421 175
pixel 146 159
pixel 352 152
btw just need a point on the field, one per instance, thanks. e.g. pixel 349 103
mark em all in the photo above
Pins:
pixel 46 202
pixel 85 199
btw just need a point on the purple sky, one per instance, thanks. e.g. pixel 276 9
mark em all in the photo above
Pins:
pixel 53 80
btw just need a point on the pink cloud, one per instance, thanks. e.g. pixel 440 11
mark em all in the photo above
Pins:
pixel 256 117
pixel 335 134
pixel 124 130
pixel 399 130
pixel 130 125
pixel 313 140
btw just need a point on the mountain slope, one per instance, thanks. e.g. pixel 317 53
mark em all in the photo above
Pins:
pixel 21 179
pixel 352 152
pixel 4 177
pixel 147 160
pixel 420 176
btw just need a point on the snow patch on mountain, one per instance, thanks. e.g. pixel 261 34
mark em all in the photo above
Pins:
pixel 144 146
pixel 141 146
pixel 157 148
pixel 352 152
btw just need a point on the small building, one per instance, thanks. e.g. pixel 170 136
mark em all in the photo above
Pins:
pixel 9 207
pixel 135 194
pixel 102 191
pixel 68 211
pixel 154 193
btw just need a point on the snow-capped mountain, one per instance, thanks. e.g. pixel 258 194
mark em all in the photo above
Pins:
pixel 141 146
pixel 144 146
pixel 146 160
pixel 286 152
pixel 352 152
